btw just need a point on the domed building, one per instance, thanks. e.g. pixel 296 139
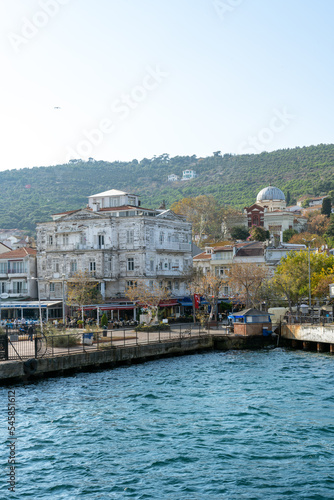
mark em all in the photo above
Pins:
pixel 272 198
pixel 270 211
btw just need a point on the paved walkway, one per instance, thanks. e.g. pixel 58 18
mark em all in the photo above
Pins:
pixel 25 349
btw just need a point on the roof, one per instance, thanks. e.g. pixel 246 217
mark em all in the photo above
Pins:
pixel 225 248
pixel 250 312
pixel 202 255
pixel 68 212
pixel 19 253
pixel 270 193
pixel 125 207
pixel 253 249
pixel 111 192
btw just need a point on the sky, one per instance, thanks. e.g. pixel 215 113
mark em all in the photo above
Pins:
pixel 117 80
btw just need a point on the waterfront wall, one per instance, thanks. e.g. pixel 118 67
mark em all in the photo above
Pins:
pixel 110 358
pixel 308 333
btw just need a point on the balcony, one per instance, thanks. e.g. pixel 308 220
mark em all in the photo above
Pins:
pixel 169 272
pixel 173 246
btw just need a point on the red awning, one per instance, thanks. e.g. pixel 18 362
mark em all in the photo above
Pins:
pixel 115 308
pixel 169 303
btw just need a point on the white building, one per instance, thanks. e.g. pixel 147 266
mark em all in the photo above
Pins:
pixel 188 174
pixel 172 178
pixel 270 211
pixel 118 242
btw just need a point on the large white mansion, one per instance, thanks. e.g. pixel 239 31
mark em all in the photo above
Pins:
pixel 118 242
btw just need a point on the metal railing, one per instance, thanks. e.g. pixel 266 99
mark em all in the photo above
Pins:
pixel 18 345
pixel 307 318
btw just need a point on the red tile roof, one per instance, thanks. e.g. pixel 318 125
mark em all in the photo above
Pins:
pixel 19 253
pixel 203 255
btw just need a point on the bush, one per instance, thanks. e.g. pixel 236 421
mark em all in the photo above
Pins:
pixel 162 327
pixel 62 339
pixel 104 321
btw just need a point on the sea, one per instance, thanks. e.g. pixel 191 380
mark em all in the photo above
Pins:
pixel 221 425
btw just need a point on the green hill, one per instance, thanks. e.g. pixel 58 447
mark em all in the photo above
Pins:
pixel 31 195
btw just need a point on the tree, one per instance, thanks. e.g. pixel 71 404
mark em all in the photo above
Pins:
pixel 287 234
pixel 148 297
pixel 205 214
pixel 305 237
pixel 292 275
pixel 208 286
pixel 326 208
pixel 288 198
pixel 239 233
pixel 82 290
pixel 330 230
pixel 246 281
pixel 104 320
pixel 258 233
pixel 317 223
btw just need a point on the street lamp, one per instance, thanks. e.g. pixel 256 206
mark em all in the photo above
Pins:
pixel 63 292
pixel 309 270
pixel 39 303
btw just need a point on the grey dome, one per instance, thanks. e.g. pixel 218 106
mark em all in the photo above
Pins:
pixel 270 193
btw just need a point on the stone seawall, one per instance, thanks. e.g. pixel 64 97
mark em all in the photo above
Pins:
pixel 12 371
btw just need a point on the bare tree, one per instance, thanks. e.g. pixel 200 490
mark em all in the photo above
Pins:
pixel 246 280
pixel 82 290
pixel 208 286
pixel 149 297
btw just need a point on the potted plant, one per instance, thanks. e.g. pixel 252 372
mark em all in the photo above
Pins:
pixel 80 323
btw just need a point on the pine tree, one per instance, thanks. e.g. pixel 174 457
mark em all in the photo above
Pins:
pixel 326 208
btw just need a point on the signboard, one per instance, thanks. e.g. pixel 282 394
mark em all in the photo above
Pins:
pixel 331 290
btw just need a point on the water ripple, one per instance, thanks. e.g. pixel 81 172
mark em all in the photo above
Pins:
pixel 235 425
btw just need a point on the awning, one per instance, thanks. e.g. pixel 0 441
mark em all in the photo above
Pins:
pixel 169 303
pixel 29 305
pixel 186 302
pixel 115 308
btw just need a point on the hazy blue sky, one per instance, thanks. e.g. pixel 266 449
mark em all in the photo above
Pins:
pixel 137 78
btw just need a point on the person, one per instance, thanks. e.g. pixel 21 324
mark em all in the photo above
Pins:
pixel 30 333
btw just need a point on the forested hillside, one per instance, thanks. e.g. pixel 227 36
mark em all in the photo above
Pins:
pixel 31 195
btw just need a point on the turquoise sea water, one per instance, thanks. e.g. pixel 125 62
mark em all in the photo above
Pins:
pixel 235 425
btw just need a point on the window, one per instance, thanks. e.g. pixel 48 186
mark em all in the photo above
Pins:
pixel 131 284
pixel 160 265
pixel 225 290
pixel 131 264
pixel 50 239
pixel 101 240
pixel 55 266
pixel 16 266
pixel 74 266
pixel 52 287
pixel 65 239
pixel 129 236
pixel 177 285
pixel 3 267
pixel 169 285
pixel 151 265
pixel 161 237
pixel 132 200
pixel 92 266
pixel 3 287
pixel 115 201
pixel 17 286
pixel 151 284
